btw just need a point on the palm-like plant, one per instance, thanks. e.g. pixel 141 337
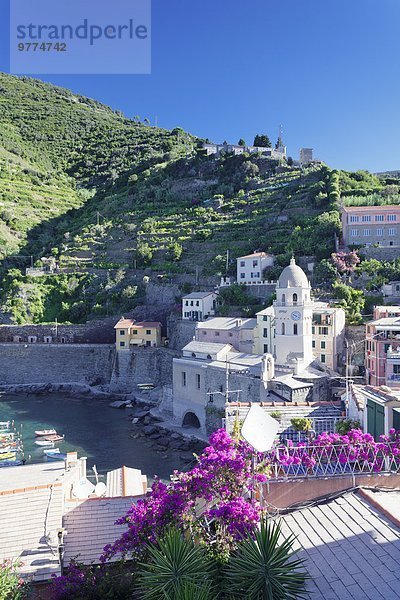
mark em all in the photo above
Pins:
pixel 176 565
pixel 262 568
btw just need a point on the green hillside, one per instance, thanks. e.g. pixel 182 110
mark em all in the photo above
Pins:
pixel 107 195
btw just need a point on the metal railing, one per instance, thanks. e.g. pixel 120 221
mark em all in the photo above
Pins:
pixel 287 431
pixel 310 461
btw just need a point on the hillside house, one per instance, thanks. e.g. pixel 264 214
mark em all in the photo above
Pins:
pixel 382 349
pixel 250 267
pixel 218 149
pixel 130 333
pixel 197 306
pixel 371 225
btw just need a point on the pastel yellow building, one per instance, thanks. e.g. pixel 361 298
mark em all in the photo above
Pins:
pixel 130 334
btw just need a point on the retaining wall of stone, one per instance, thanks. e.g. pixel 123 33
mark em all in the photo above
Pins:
pixel 56 363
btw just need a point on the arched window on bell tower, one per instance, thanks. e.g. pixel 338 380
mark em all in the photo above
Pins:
pixel 295 299
pixel 295 329
pixel 283 328
pixel 283 299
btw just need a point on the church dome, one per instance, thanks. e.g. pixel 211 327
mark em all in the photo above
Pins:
pixel 293 276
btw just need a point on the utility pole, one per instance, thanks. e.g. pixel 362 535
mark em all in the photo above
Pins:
pixel 197 275
pixel 227 261
pixel 98 218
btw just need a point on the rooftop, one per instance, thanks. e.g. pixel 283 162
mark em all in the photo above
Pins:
pixel 206 348
pixel 380 394
pixel 144 324
pixel 386 208
pixel 31 509
pixel 255 255
pixel 124 323
pixel 293 276
pixel 351 545
pixel 198 295
pixel 91 525
pixel 227 323
pixel 386 322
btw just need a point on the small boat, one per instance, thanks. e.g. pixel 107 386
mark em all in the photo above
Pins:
pixel 6 435
pixel 53 451
pixel 4 424
pixel 43 443
pixel 55 455
pixel 43 432
pixel 11 463
pixel 10 448
pixel 54 438
pixel 7 456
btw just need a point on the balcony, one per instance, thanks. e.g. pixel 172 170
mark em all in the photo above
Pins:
pixel 291 304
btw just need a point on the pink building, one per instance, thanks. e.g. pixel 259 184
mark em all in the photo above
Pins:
pixel 382 351
pixel 368 225
pixel 240 333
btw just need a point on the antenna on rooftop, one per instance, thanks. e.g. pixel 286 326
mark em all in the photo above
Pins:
pixel 259 429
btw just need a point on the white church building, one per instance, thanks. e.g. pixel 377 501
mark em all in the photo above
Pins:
pixel 211 375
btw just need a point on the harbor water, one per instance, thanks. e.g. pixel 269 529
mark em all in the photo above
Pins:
pixel 91 427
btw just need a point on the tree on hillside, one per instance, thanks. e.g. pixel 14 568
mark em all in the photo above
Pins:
pixel 262 141
pixel 351 300
pixel 241 142
pixel 345 262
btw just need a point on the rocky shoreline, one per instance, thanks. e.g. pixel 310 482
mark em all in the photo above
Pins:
pixel 145 425
pixel 77 390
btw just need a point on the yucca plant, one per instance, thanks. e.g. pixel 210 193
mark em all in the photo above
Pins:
pixel 262 568
pixel 176 565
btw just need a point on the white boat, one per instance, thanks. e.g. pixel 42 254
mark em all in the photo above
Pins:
pixel 44 443
pixel 4 424
pixel 43 432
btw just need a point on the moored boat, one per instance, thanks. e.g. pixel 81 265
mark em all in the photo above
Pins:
pixel 53 438
pixel 4 424
pixel 45 432
pixel 54 455
pixel 10 463
pixel 43 443
pixel 7 456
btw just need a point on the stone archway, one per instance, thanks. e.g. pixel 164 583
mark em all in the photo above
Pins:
pixel 191 420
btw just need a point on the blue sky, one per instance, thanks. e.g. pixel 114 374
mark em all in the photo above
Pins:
pixel 328 70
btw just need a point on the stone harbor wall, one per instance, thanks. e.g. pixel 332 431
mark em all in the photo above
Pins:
pixel 141 365
pixel 93 332
pixel 56 363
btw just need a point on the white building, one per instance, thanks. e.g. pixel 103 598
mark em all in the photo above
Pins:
pixel 200 375
pixel 216 149
pixel 198 305
pixel 327 332
pixel 293 313
pixel 250 268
